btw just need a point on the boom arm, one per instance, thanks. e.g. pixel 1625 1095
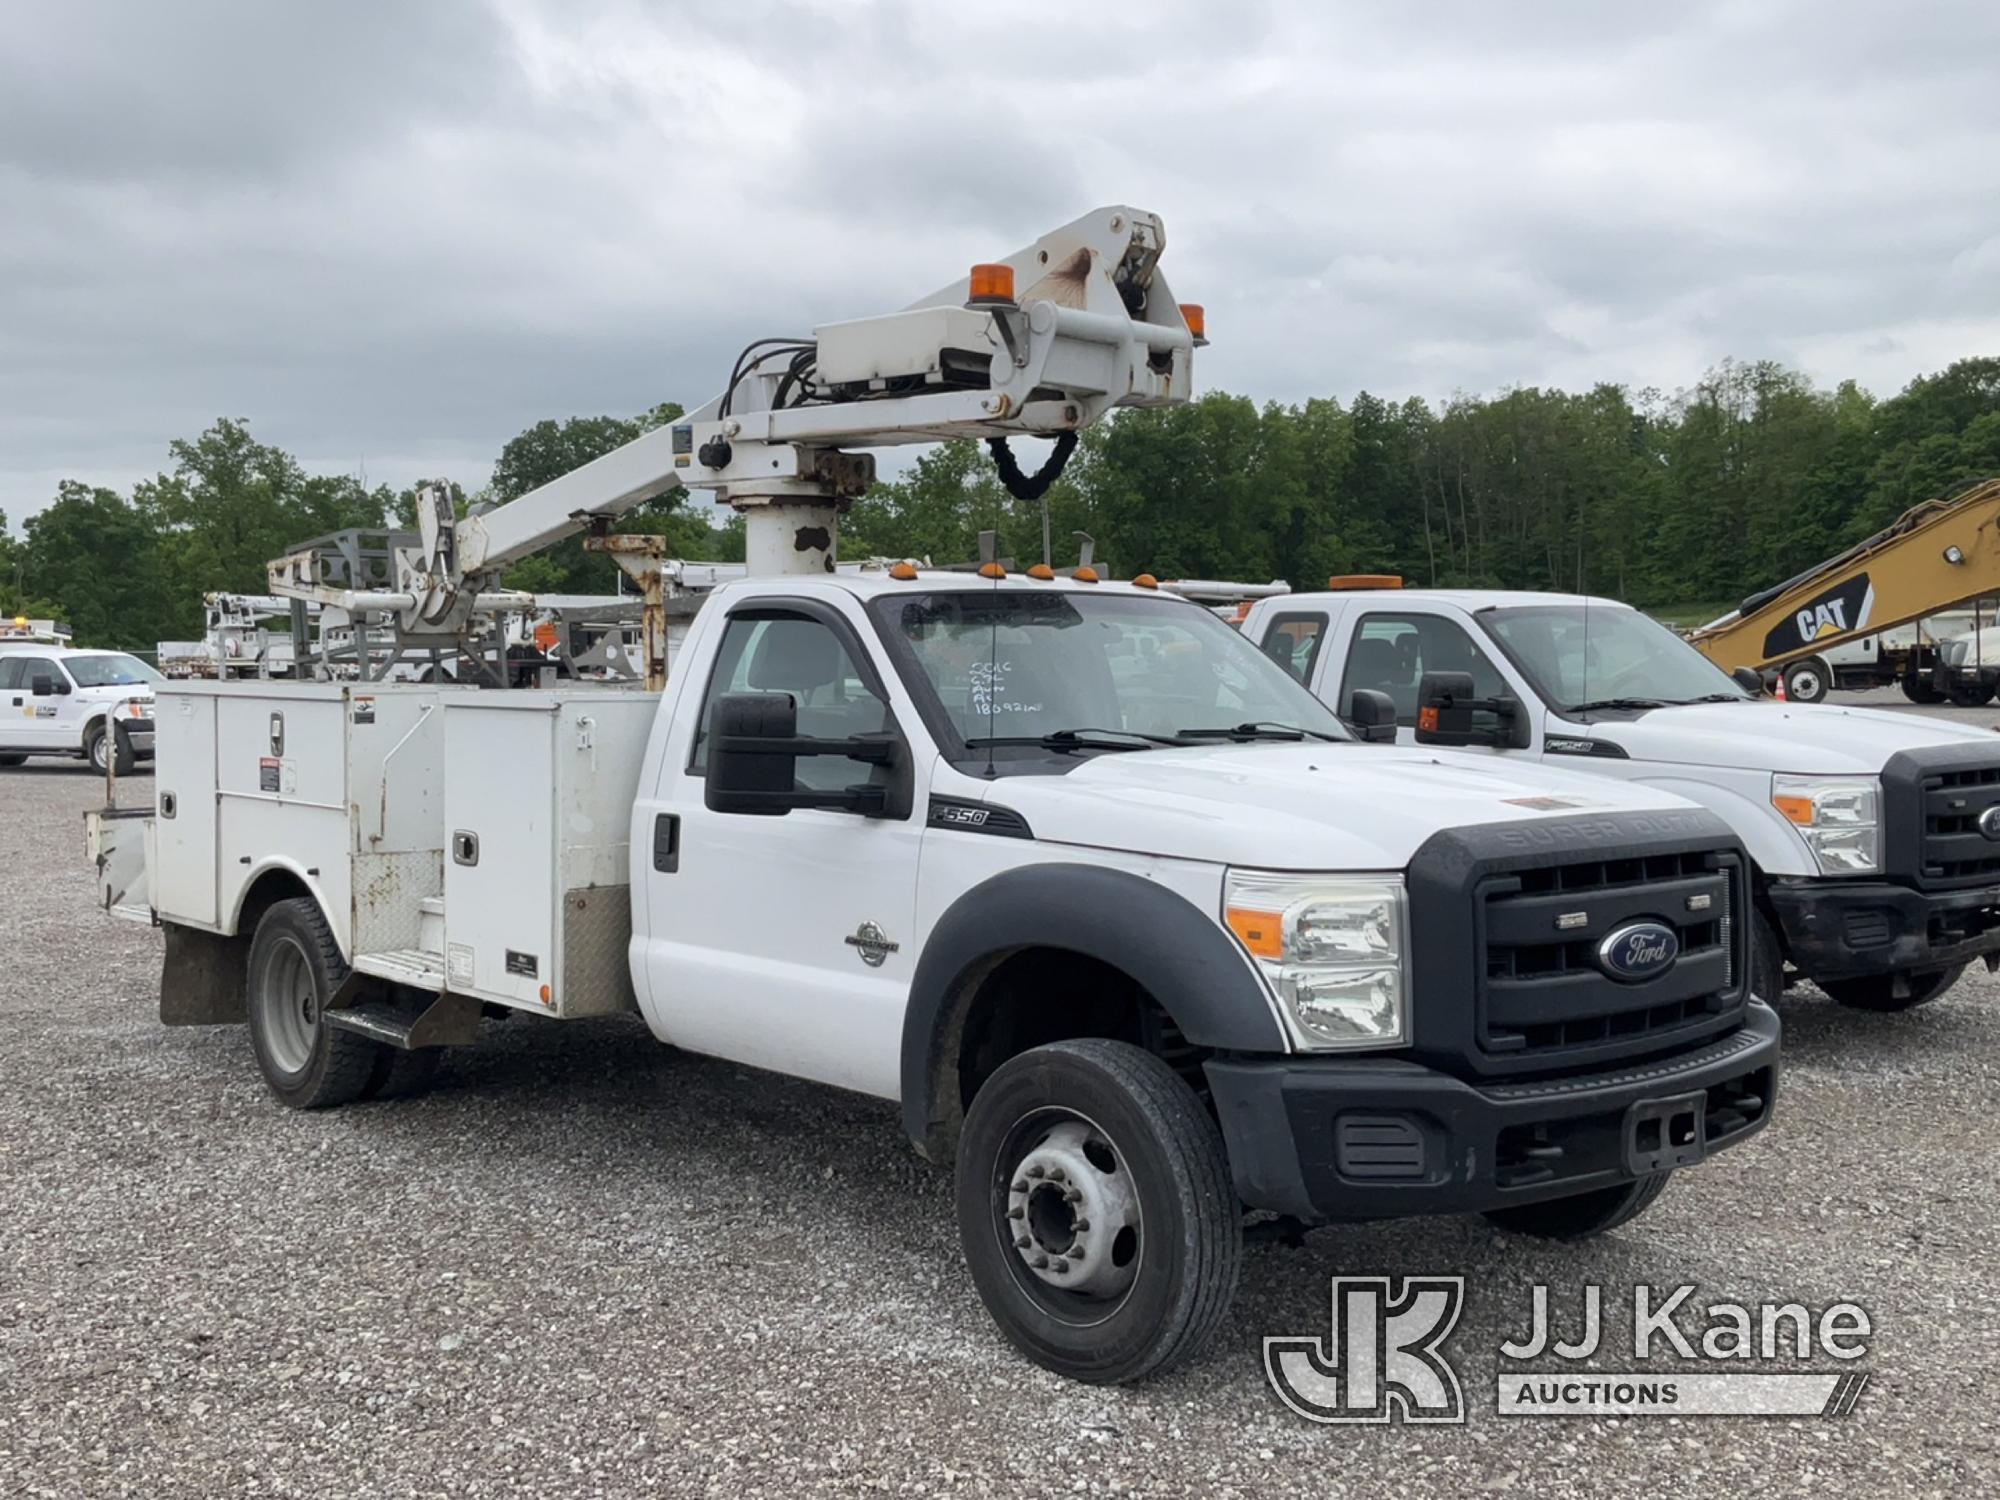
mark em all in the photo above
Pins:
pixel 1937 555
pixel 1094 328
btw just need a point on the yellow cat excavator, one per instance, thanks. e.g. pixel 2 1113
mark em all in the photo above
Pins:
pixel 1935 556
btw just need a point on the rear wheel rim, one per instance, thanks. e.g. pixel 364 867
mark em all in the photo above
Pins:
pixel 1066 1187
pixel 1806 684
pixel 287 1006
pixel 98 753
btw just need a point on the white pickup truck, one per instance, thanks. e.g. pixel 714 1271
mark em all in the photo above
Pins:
pixel 1874 837
pixel 95 706
pixel 1135 931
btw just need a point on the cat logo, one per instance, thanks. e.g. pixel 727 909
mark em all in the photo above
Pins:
pixel 1840 611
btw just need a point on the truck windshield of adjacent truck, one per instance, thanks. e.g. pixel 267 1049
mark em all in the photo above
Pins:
pixel 1582 659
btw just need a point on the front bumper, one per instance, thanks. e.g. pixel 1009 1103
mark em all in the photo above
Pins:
pixel 1356 1138
pixel 1842 929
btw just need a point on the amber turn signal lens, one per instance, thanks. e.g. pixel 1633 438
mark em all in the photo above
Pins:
pixel 1427 720
pixel 1796 809
pixel 991 283
pixel 1196 318
pixel 1262 932
pixel 1365 581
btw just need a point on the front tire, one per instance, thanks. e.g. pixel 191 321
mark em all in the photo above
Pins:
pixel 1582 1215
pixel 1877 992
pixel 1767 960
pixel 1096 1158
pixel 1920 692
pixel 1807 681
pixel 100 744
pixel 295 967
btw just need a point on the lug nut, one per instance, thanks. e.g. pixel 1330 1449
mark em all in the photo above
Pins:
pixel 1015 1213
pixel 1036 1172
pixel 1056 1175
pixel 1071 1195
pixel 1061 1268
pixel 1021 1186
pixel 1076 1252
pixel 1080 1225
pixel 1040 1263
pixel 1022 1243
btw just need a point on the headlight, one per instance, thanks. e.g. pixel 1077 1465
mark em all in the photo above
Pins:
pixel 1840 818
pixel 1333 948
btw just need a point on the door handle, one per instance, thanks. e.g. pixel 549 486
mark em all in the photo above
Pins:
pixel 667 842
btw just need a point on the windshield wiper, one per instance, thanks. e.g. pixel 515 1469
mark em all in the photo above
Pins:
pixel 1582 708
pixel 1711 698
pixel 1079 739
pixel 1260 729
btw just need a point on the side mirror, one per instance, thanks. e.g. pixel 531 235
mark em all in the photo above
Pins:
pixel 43 687
pixel 1372 716
pixel 1750 680
pixel 753 753
pixel 1445 710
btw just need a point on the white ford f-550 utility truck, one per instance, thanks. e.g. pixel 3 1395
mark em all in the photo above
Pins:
pixel 1874 837
pixel 1138 935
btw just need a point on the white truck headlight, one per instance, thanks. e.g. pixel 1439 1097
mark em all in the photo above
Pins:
pixel 1333 947
pixel 1839 817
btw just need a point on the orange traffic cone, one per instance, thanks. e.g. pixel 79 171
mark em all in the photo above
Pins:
pixel 1778 690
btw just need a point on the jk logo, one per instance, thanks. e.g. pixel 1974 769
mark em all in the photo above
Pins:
pixel 1383 1362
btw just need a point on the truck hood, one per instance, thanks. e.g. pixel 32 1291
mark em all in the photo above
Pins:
pixel 1314 806
pixel 1762 736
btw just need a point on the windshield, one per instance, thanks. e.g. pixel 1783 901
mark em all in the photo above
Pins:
pixel 1013 668
pixel 1578 658
pixel 113 669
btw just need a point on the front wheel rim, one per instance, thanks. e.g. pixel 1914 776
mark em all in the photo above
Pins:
pixel 1066 1211
pixel 287 1006
pixel 97 752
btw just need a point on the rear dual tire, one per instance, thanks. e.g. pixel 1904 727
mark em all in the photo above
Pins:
pixel 295 969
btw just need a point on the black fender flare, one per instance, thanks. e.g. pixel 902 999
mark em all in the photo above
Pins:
pixel 1178 954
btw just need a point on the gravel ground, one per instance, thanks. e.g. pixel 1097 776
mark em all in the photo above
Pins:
pixel 586 1264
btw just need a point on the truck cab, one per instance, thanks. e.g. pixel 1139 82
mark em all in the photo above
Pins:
pixel 1874 873
pixel 56 700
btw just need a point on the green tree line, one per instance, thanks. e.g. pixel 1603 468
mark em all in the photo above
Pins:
pixel 1738 482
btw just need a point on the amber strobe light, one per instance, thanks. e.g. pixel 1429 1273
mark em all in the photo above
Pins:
pixel 1196 318
pixel 991 283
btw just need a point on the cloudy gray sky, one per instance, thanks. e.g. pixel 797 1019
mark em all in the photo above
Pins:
pixel 393 234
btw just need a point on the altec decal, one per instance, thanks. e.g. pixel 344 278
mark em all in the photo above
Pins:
pixel 1841 610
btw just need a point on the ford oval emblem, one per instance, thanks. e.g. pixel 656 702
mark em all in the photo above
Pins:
pixel 1638 950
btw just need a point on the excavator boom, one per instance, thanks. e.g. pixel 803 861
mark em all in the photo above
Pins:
pixel 1937 555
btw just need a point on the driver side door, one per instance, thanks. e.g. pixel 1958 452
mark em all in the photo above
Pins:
pixel 1390 651
pixel 787 941
pixel 34 721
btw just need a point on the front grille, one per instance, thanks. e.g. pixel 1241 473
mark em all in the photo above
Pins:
pixel 1543 993
pixel 1953 851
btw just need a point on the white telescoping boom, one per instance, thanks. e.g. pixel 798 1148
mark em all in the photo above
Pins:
pixel 1093 326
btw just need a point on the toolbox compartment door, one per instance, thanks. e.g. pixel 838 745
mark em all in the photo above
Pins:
pixel 184 795
pixel 500 852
